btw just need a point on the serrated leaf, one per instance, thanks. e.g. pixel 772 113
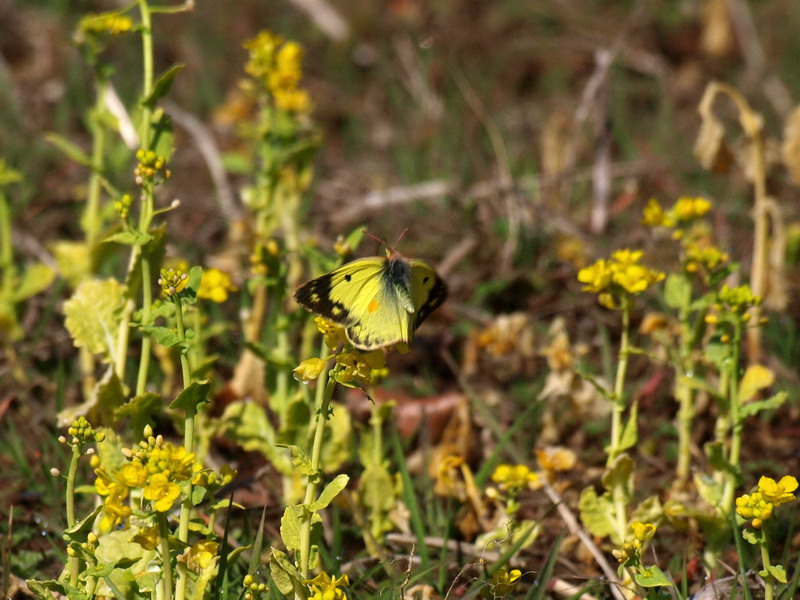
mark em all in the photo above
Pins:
pixel 73 260
pixel 41 589
pixel 130 237
pixel 290 526
pixel 652 577
pixel 677 291
pixel 107 395
pixel 597 514
pixel 191 397
pixel 69 148
pixel 750 537
pixel 778 572
pixel 755 379
pixel 619 473
pixel 35 279
pixel 329 493
pixel 165 336
pixel 283 572
pixel 772 403
pixel 161 86
pixel 300 461
pixel 92 316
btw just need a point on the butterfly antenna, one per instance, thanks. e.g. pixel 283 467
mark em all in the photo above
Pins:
pixel 376 238
pixel 402 235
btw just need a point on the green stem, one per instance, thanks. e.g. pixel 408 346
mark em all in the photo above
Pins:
pixel 165 557
pixel 6 248
pixel 91 221
pixel 147 294
pixel 147 68
pixel 737 424
pixel 769 586
pixel 313 479
pixel 188 442
pixel 685 397
pixel 619 383
pixel 74 561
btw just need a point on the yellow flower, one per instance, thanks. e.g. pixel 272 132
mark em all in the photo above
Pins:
pixel 110 23
pixel 643 531
pixel 687 209
pixel 739 298
pixel 626 256
pixel 325 587
pixel 634 278
pixel 653 215
pixel 277 66
pixel 309 369
pixel 174 461
pixel 200 555
pixel 133 474
pixel 359 367
pixel 333 333
pixel 555 458
pixel 163 491
pixel 215 285
pixel 105 486
pixel 755 507
pixel 115 513
pixel 513 477
pixel 780 492
pixel 597 277
pixel 173 281
pixel 503 582
pixel 148 537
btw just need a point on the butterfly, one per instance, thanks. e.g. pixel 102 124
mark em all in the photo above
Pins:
pixel 378 300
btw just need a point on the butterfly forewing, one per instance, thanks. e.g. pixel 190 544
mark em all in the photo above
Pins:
pixel 379 301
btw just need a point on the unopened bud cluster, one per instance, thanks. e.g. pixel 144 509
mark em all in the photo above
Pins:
pixel 81 432
pixel 151 169
pixel 254 589
pixel 123 205
pixel 173 281
pixel 146 446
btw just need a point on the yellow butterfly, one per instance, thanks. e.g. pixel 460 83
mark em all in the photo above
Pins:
pixel 378 300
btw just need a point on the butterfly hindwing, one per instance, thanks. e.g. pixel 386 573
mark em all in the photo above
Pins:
pixel 379 301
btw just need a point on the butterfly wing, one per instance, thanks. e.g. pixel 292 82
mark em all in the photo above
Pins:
pixel 428 290
pixel 379 301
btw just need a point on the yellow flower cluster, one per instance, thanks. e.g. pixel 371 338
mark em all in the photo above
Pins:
pixel 111 23
pixel 215 285
pixel 199 555
pixel 152 167
pixel 173 281
pixel 685 210
pixel 502 582
pixel 277 66
pixel 738 299
pixel 331 332
pixel 760 505
pixel 632 547
pixel 82 432
pixel 512 478
pixel 253 587
pixel 699 257
pixel 621 274
pixel 325 587
pixel 157 468
pixel 361 368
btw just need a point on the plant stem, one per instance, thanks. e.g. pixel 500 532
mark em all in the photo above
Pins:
pixel 144 360
pixel 74 561
pixel 731 479
pixel 188 442
pixel 769 586
pixel 324 400
pixel 685 396
pixel 165 557
pixel 619 384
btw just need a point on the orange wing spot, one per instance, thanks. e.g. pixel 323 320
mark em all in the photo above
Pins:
pixel 373 306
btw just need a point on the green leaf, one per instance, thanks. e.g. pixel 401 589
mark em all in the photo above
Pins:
pixel 755 379
pixel 73 260
pixel 70 149
pixel 290 526
pixel 778 572
pixel 36 279
pixel 161 86
pixel 129 237
pixel 715 452
pixel 165 336
pixel 41 589
pixel 709 489
pixel 677 291
pixel 191 397
pixel 630 432
pixel 329 493
pixel 107 396
pixel 204 579
pixel 80 531
pixel 300 461
pixel 751 537
pixel 337 441
pixel 92 316
pixel 198 494
pixel 619 473
pixel 648 510
pixel 104 570
pixel 652 577
pixel 753 408
pixel 597 514
pixel 140 410
pixel 283 572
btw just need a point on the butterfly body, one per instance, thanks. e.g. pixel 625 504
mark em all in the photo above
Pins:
pixel 378 300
